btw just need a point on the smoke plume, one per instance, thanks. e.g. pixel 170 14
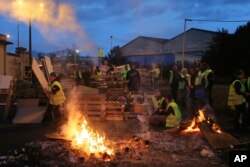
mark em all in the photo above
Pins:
pixel 56 22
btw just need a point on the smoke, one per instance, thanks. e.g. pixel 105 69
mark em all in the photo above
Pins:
pixel 56 22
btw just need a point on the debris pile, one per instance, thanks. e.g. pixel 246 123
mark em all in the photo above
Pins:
pixel 145 149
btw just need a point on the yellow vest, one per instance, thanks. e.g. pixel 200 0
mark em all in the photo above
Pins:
pixel 173 120
pixel 233 97
pixel 58 98
pixel 157 103
pixel 205 74
pixel 198 79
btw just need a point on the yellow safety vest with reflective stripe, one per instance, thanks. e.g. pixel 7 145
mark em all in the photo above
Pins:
pixel 233 97
pixel 205 75
pixel 173 120
pixel 58 98
pixel 171 77
pixel 198 79
pixel 182 82
pixel 157 103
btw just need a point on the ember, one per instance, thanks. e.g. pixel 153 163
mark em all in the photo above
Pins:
pixel 200 118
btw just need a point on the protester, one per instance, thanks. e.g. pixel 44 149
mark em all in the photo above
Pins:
pixel 133 77
pixel 56 99
pixel 159 102
pixel 174 81
pixel 78 76
pixel 207 82
pixel 155 72
pixel 237 100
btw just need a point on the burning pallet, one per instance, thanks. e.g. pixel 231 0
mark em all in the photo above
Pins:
pixel 211 131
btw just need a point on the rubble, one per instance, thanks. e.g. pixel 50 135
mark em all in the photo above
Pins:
pixel 152 148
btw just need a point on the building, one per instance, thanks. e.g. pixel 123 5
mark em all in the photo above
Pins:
pixel 146 50
pixel 13 64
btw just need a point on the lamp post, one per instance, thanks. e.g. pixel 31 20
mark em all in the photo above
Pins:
pixel 30 42
pixel 184 43
pixel 111 38
pixel 76 52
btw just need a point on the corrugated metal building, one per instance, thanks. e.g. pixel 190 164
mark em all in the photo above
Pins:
pixel 146 50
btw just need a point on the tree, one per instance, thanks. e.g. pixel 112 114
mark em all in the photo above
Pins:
pixel 115 56
pixel 228 52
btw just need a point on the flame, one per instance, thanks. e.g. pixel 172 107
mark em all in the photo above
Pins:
pixel 82 136
pixel 193 127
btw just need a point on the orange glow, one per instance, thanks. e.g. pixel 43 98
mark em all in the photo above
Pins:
pixel 82 136
pixel 193 127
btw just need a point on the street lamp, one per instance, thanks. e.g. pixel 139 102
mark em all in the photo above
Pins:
pixel 111 37
pixel 184 42
pixel 41 5
pixel 76 52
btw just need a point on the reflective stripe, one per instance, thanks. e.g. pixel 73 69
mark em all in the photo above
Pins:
pixel 58 98
pixel 173 120
pixel 233 97
pixel 157 103
pixel 205 75
pixel 182 82
pixel 198 79
pixel 248 84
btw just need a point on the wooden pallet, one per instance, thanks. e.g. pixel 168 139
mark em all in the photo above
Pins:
pixel 93 106
pixel 114 111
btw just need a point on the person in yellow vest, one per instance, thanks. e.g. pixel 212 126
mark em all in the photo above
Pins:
pixel 159 102
pixel 237 99
pixel 56 99
pixel 207 82
pixel 183 89
pixel 155 72
pixel 78 76
pixel 173 113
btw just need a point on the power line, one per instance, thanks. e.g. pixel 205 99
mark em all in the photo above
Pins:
pixel 217 20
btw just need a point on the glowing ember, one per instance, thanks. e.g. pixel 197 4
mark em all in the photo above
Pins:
pixel 193 127
pixel 82 136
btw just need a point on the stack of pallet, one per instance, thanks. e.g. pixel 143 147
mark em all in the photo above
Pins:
pixel 93 106
pixel 114 111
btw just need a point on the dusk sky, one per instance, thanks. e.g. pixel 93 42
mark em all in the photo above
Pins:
pixel 88 24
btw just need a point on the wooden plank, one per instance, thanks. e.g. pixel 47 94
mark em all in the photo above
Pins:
pixel 217 140
pixel 39 74
pixel 48 64
pixel 114 118
pixel 56 136
pixel 95 118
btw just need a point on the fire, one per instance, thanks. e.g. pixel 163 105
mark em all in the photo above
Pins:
pixel 89 140
pixel 82 136
pixel 193 127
